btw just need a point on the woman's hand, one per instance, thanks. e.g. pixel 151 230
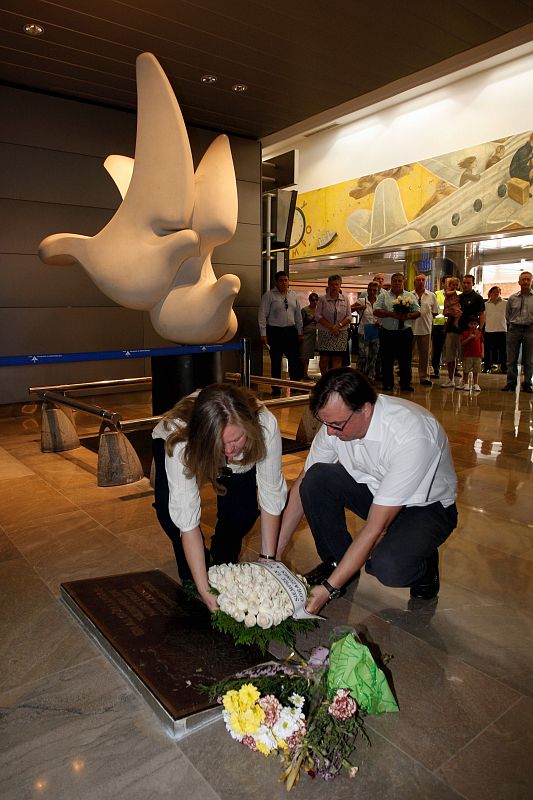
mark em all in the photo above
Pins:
pixel 318 597
pixel 210 600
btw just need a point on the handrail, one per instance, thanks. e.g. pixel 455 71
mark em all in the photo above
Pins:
pixel 107 384
pixel 111 416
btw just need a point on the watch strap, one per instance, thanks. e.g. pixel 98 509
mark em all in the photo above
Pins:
pixel 333 591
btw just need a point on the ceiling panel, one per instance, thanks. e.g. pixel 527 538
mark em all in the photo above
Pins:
pixel 297 57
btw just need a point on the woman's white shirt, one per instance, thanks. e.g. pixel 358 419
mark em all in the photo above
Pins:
pixel 184 496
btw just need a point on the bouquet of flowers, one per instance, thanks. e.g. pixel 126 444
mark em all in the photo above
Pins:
pixel 307 713
pixel 403 304
pixel 259 602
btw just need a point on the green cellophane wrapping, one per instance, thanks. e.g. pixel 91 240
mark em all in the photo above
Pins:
pixel 351 666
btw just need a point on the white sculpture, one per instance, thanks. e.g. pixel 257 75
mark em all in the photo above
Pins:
pixel 155 252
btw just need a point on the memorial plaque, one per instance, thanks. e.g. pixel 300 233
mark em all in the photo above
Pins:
pixel 161 639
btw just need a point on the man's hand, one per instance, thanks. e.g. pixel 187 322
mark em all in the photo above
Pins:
pixel 263 340
pixel 318 597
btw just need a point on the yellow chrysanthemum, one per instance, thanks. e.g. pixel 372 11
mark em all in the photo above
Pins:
pixel 248 695
pixel 263 748
pixel 247 721
pixel 282 744
pixel 230 701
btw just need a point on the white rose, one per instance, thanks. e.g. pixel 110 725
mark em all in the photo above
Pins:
pixel 265 620
pixel 239 615
pixel 242 603
pixel 225 605
pixel 250 620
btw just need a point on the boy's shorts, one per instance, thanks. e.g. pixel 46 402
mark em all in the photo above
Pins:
pixel 471 364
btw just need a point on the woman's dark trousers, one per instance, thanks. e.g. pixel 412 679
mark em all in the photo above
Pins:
pixel 237 512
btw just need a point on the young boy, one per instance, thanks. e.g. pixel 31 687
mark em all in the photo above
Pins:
pixel 472 344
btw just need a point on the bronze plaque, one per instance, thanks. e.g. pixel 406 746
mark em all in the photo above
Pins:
pixel 159 636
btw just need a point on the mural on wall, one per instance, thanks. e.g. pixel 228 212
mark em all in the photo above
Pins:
pixel 481 189
pixel 155 252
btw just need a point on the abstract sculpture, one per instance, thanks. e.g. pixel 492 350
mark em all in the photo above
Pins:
pixel 155 252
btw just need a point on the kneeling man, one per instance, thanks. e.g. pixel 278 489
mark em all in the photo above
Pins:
pixel 388 460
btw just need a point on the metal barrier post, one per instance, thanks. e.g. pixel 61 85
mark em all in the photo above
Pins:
pixel 118 463
pixel 245 363
pixel 58 432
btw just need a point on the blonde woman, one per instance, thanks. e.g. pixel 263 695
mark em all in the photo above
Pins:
pixel 224 437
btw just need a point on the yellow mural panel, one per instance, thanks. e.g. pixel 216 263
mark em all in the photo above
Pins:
pixel 480 189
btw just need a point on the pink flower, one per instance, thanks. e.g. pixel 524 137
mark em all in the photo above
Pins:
pixel 249 741
pixel 295 738
pixel 272 707
pixel 343 706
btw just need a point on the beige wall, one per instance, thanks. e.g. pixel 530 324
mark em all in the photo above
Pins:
pixel 52 181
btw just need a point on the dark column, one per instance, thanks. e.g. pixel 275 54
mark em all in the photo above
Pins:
pixel 174 377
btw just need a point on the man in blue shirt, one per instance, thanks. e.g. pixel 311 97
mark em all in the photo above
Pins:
pixel 280 326
pixel 396 333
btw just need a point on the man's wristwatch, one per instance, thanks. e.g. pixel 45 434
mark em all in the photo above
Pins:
pixel 333 592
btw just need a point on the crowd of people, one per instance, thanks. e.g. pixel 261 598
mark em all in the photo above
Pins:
pixel 453 328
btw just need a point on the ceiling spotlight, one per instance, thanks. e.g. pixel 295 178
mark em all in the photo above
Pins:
pixel 239 87
pixel 209 78
pixel 33 29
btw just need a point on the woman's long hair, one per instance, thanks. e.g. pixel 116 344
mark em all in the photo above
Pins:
pixel 201 421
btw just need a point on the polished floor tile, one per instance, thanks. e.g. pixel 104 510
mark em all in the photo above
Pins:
pixel 497 764
pixel 7 549
pixel 462 666
pixel 73 546
pixel 11 467
pixel 25 500
pixel 83 733
pixel 38 636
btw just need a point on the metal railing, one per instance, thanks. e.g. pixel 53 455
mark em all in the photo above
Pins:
pixel 58 431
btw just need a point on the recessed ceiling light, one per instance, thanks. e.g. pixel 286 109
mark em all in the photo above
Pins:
pixel 209 78
pixel 33 29
pixel 239 87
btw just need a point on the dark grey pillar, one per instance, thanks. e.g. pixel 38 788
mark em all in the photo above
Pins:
pixel 174 377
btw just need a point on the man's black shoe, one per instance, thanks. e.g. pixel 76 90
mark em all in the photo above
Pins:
pixel 428 587
pixel 527 388
pixel 509 387
pixel 321 572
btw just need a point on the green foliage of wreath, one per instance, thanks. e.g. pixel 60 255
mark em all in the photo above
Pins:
pixel 285 632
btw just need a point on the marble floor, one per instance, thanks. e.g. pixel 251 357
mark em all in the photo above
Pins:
pixel 71 727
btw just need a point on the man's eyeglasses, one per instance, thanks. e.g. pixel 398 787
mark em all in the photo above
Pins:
pixel 285 303
pixel 333 426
